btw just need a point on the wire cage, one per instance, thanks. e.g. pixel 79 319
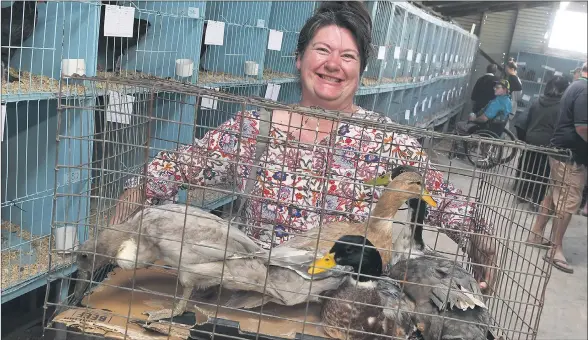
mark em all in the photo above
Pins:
pixel 476 224
pixel 43 37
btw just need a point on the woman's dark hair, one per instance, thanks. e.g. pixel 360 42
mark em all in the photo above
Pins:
pixel 352 15
pixel 492 68
pixel 556 86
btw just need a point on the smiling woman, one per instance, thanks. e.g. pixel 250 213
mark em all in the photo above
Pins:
pixel 322 179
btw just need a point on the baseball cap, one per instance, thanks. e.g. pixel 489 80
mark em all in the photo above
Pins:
pixel 504 83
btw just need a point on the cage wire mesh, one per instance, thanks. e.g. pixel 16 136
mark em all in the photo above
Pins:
pixel 476 226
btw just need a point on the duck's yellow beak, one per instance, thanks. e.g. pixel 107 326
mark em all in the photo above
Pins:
pixel 383 180
pixel 323 264
pixel 427 198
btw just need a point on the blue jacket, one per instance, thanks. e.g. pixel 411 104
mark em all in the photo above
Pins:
pixel 498 109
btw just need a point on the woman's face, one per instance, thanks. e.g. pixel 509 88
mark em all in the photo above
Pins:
pixel 329 69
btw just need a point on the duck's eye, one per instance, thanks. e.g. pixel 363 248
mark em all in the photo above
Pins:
pixel 349 250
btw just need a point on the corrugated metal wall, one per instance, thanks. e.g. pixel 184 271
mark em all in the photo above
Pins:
pixel 467 21
pixel 530 29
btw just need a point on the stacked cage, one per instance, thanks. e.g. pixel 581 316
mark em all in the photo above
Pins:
pixel 238 48
pixel 493 225
pixel 536 70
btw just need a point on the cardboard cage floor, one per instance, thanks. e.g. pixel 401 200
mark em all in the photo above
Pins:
pixel 108 306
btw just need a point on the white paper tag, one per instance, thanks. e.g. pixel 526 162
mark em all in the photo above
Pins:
pixel 418 58
pixel 422 78
pixel 194 12
pixel 526 98
pixel 548 68
pixel 522 63
pixel 424 104
pixel 456 58
pixel 397 52
pixel 272 91
pixel 434 58
pixel 430 100
pixel 120 107
pixel 118 21
pixel 2 121
pixel 443 97
pixel 215 33
pixel 539 80
pixel 426 58
pixel 275 40
pixel 446 56
pixel 260 23
pixel 381 52
pixel 451 58
pixel 209 102
pixel 557 73
pixel 407 114
pixel 409 55
pixel 414 110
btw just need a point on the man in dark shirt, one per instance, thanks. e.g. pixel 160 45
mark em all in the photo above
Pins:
pixel 571 132
pixel 483 91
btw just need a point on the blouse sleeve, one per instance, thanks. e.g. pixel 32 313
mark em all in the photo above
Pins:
pixel 208 161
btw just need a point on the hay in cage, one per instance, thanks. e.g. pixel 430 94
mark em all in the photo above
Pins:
pixel 480 200
pixel 29 259
pixel 210 77
pixel 34 83
pixel 269 74
pixel 368 81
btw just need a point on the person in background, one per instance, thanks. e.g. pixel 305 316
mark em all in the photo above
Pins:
pixel 576 73
pixel 483 91
pixel 536 128
pixel 516 88
pixel 571 132
pixel 497 110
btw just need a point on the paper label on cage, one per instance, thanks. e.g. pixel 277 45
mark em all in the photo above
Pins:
pixel 557 73
pixel 397 52
pixel 451 58
pixel 430 100
pixel 443 97
pixel 456 58
pixel 434 58
pixel 272 91
pixel 120 108
pixel 260 23
pixel 209 102
pixel 274 42
pixel 407 114
pixel 539 80
pixel 409 55
pixel 215 33
pixel 548 68
pixel 381 52
pixel 526 97
pixel 426 58
pixel 414 110
pixel 2 121
pixel 418 58
pixel 522 63
pixel 424 104
pixel 118 21
pixel 446 56
pixel 193 12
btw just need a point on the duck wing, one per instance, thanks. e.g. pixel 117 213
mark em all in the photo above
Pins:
pixel 397 308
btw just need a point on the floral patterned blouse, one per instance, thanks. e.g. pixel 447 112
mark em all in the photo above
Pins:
pixel 291 180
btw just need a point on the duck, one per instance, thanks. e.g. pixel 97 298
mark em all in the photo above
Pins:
pixel 405 186
pixel 427 277
pixel 203 248
pixel 443 289
pixel 400 188
pixel 367 304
